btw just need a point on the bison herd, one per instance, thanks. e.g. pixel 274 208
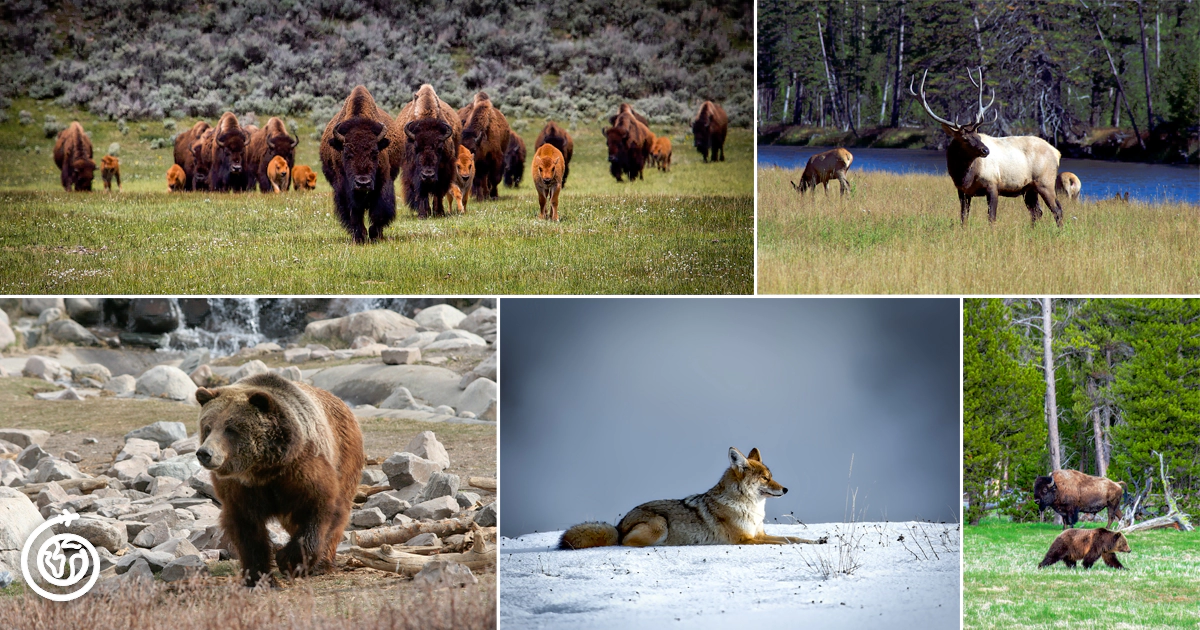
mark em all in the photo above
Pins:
pixel 434 149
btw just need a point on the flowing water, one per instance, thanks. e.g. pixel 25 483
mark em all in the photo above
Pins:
pixel 1101 179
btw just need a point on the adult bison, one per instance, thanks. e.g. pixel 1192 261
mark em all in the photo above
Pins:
pixel 485 133
pixel 360 156
pixel 555 135
pixel 1069 492
pixel 709 128
pixel 265 144
pixel 202 161
pixel 514 161
pixel 185 157
pixel 73 156
pixel 429 159
pixel 629 143
pixel 225 154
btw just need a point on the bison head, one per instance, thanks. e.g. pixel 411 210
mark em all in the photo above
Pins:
pixel 1045 492
pixel 85 171
pixel 472 138
pixel 360 140
pixel 700 138
pixel 618 141
pixel 284 145
pixel 427 137
pixel 234 144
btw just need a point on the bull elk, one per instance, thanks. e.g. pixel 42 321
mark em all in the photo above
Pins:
pixel 823 167
pixel 981 165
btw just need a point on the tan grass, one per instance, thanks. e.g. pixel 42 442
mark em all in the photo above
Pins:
pixel 901 234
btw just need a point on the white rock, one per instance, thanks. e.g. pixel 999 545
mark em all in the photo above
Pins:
pixel 462 334
pixel 54 469
pixel 479 395
pixel 398 356
pixel 424 540
pixel 44 368
pixel 24 437
pixel 7 336
pixel 165 381
pixel 181 467
pixel 405 469
pixel 417 340
pixel 440 317
pixel 291 373
pixel 163 433
pixel 368 517
pixel 249 368
pixel 440 574
pixel 439 508
pixel 107 534
pixel 183 568
pixel 94 371
pixel 297 355
pixel 375 324
pixel 137 446
pixel 129 469
pixel 35 306
pixel 121 385
pixel 18 518
pixel 426 445
pixel 68 331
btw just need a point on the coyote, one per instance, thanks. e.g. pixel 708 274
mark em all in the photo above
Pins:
pixel 731 513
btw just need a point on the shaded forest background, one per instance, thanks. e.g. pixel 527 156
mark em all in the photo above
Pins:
pixel 1127 384
pixel 568 60
pixel 847 64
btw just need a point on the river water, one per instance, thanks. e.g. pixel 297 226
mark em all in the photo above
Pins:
pixel 1101 179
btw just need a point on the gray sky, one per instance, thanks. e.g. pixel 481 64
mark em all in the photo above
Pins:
pixel 608 403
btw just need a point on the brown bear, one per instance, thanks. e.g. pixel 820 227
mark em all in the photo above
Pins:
pixel 286 450
pixel 1088 545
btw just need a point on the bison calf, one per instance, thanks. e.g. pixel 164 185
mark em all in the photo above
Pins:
pixel 110 169
pixel 548 168
pixel 554 134
pixel 176 179
pixel 661 152
pixel 278 173
pixel 1069 492
pixel 460 190
pixel 73 156
pixel 823 167
pixel 266 144
pixel 303 178
pixel 1088 545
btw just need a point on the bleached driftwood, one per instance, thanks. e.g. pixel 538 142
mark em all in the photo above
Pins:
pixel 480 556
pixel 1174 518
pixel 365 492
pixel 483 483
pixel 401 533
pixel 85 485
pixel 1173 521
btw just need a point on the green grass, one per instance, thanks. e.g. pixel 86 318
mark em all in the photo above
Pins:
pixel 1003 588
pixel 689 231
pixel 901 234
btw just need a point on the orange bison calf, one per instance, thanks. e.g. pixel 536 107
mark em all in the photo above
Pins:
pixel 548 166
pixel 553 134
pixel 110 169
pixel 661 152
pixel 73 156
pixel 278 173
pixel 1088 545
pixel 303 178
pixel 176 179
pixel 461 188
pixel 823 167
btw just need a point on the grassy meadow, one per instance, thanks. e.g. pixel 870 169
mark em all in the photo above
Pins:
pixel 901 234
pixel 690 231
pixel 1003 588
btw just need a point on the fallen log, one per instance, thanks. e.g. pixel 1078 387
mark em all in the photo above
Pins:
pixel 387 558
pixel 85 485
pixel 1173 521
pixel 401 533
pixel 365 492
pixel 483 483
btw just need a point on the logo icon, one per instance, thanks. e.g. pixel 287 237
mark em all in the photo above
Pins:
pixel 63 560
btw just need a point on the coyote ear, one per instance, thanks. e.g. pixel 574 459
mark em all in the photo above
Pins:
pixel 736 458
pixel 754 455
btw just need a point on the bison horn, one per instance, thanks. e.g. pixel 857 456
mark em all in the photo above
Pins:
pixel 337 135
pixel 410 130
pixel 295 140
pixel 382 133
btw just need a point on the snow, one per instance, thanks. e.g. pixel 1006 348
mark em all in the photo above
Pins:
pixel 912 583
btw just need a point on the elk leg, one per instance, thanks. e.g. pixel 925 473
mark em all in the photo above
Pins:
pixel 1031 202
pixel 1052 203
pixel 842 180
pixel 964 202
pixel 826 185
pixel 993 202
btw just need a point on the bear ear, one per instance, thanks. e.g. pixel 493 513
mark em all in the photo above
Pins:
pixel 261 401
pixel 754 455
pixel 203 395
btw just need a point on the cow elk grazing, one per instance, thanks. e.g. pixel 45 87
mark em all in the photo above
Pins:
pixel 110 169
pixel 1067 184
pixel 548 167
pixel 981 165
pixel 278 173
pixel 823 167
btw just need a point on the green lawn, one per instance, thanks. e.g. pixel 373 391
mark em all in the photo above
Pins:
pixel 690 231
pixel 1003 588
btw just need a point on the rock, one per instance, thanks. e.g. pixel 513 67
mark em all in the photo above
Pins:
pixel 159 513
pixel 7 336
pixel 101 533
pixel 86 311
pixel 49 316
pixel 205 511
pixel 69 393
pixel 448 345
pixel 374 324
pixel 162 485
pixel 342 355
pixel 372 517
pixel 52 493
pixel 177 547
pixel 440 484
pixel 194 359
pixel 373 350
pixel 31 455
pixel 138 446
pixel 485 369
pixel 24 437
pixel 469 337
pixel 44 368
pixel 401 521
pixel 81 503
pixel 466 499
pixel 186 567
pixel 323 330
pixel 372 383
pixel 440 317
pixel 409 493
pixel 68 331
pixel 479 395
pixel 35 306
pixel 482 322
pixel 186 445
pixel 72 457
pixel 387 503
pixel 439 508
pixel 202 376
pixel 129 469
pixel 179 467
pixel 164 381
pixel 291 373
pixel 418 340
pixel 138 569
pixel 466 414
pixel 490 412
pixel 146 340
pixel 8 448
pixel 54 469
pixel 444 574
pixel 11 472
pixel 18 518
pixel 266 347
pixel 250 368
pixel 361 342
pixel 398 356
pixel 404 469
pixel 445 410
pixel 400 399
pixel 373 477
pixel 201 482
pixel 426 445
pixel 94 371
pixel 487 516
pixel 153 535
pixel 424 540
pixel 163 433
pixel 121 385
pixel 297 355
pixel 153 315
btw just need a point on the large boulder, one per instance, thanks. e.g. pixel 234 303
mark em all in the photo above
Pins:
pixel 35 306
pixel 68 331
pixel 94 371
pixel 249 368
pixel 163 433
pixel 110 535
pixel 24 437
pixel 481 394
pixel 7 336
pixel 165 381
pixel 86 311
pixel 485 369
pixel 54 469
pixel 372 383
pixel 324 329
pixel 121 385
pixel 470 337
pixel 440 317
pixel 375 324
pixel 18 518
pixel 406 469
pixel 426 445
pixel 138 446
pixel 129 469
pixel 482 322
pixel 153 315
pixel 44 368
pixel 418 340
pixel 180 467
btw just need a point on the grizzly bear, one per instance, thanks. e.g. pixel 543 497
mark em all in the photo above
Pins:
pixel 286 450
pixel 1088 545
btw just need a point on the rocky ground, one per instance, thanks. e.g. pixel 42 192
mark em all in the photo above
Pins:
pixel 108 431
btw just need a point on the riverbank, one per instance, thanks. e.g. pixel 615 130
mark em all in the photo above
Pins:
pixel 1166 145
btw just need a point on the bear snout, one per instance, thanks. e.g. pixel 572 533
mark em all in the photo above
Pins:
pixel 209 458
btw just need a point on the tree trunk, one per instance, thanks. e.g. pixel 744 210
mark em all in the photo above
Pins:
pixel 1120 86
pixel 787 98
pixel 1098 431
pixel 899 70
pixel 1051 401
pixel 1146 70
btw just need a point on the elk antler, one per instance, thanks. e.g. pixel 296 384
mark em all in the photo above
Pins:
pixel 926 104
pixel 982 109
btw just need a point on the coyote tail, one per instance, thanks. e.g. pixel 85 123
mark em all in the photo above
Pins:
pixel 590 534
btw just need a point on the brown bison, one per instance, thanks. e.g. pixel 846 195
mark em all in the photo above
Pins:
pixel 628 144
pixel 360 156
pixel 1068 185
pixel 202 161
pixel 461 188
pixel 185 157
pixel 1069 492
pixel 514 161
pixel 432 136
pixel 1088 545
pixel 709 128
pixel 823 167
pixel 176 179
pixel 265 144
pixel 661 152
pixel 279 173
pixel 73 156
pixel 225 154
pixel 555 135
pixel 303 178
pixel 626 108
pixel 485 133
pixel 548 168
pixel 110 169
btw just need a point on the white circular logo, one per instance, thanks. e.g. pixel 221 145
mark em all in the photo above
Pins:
pixel 63 560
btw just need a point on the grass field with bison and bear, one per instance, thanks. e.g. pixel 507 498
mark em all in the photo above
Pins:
pixel 689 231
